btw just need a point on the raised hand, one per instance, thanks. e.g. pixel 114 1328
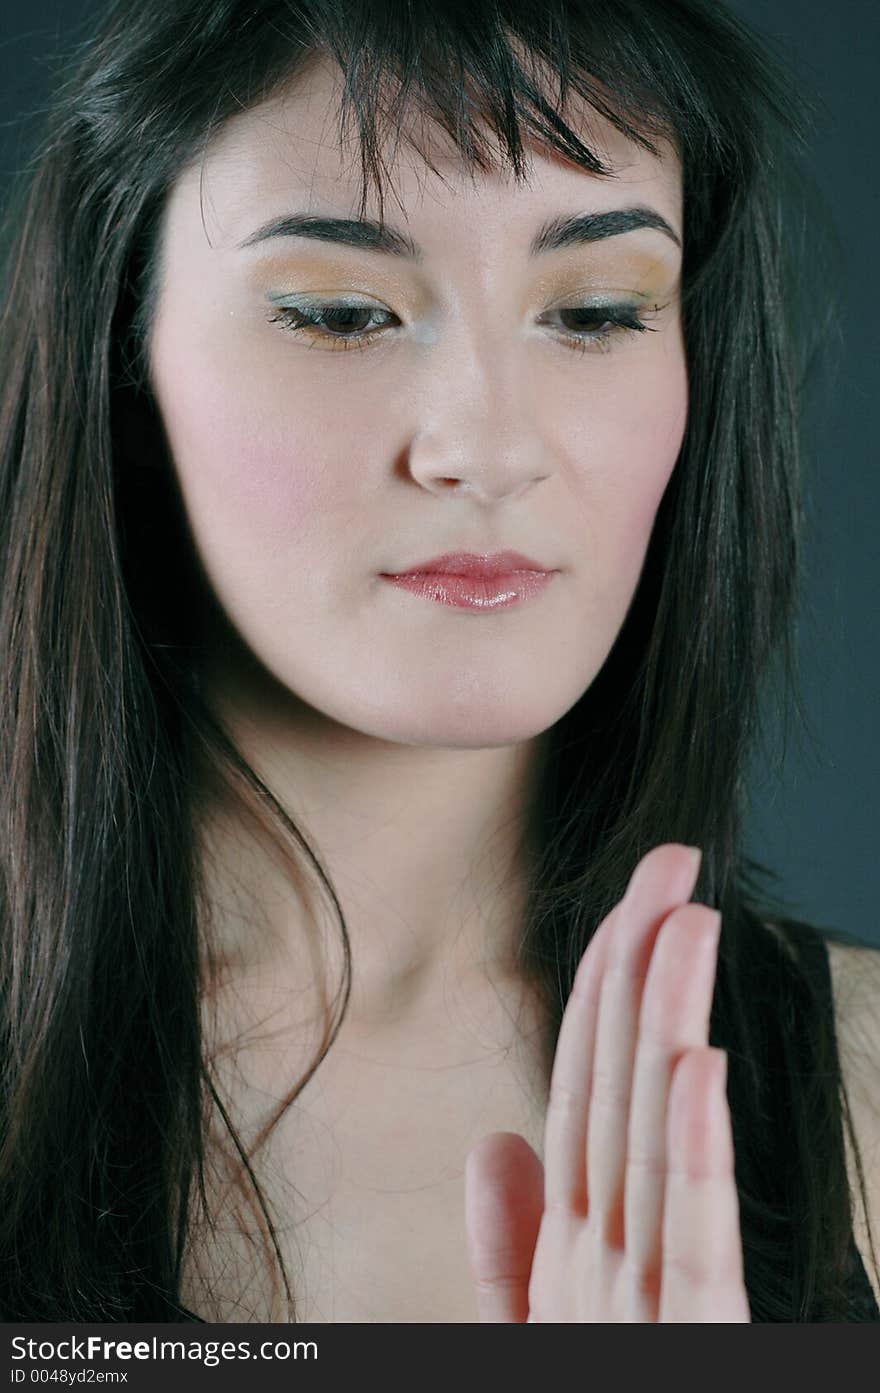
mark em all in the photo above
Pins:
pixel 634 1215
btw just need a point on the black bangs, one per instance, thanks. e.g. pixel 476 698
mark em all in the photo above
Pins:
pixel 683 74
pixel 462 70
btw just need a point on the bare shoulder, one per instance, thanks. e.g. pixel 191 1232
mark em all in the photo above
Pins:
pixel 855 975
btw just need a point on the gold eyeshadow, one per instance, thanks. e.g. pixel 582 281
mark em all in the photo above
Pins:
pixel 595 268
pixel 604 268
pixel 330 274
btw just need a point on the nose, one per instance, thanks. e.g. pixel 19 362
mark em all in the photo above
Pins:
pixel 478 433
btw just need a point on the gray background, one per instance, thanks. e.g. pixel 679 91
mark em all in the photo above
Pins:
pixel 815 824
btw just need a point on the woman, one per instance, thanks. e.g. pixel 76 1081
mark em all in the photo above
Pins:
pixel 251 677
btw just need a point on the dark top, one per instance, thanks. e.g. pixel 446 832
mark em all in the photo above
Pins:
pixel 813 954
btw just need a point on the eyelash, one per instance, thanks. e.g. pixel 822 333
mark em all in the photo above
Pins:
pixel 620 318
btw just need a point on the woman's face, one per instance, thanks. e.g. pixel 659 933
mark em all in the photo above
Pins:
pixel 486 408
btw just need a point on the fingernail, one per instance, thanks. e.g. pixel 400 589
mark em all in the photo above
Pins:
pixel 696 853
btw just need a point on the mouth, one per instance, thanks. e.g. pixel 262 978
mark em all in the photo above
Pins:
pixel 477 565
pixel 468 580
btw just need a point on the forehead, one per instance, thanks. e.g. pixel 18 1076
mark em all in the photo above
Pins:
pixel 290 147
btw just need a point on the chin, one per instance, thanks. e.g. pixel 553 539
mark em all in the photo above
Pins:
pixel 461 724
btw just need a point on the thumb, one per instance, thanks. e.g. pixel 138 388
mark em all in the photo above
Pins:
pixel 503 1205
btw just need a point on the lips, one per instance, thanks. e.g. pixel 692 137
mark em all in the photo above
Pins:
pixel 475 581
pixel 475 565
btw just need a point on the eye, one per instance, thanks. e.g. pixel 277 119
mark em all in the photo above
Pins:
pixel 342 325
pixel 597 325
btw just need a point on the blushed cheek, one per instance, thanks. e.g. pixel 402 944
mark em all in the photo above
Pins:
pixel 650 449
pixel 248 469
pixel 637 433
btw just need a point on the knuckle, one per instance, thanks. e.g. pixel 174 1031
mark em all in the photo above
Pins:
pixel 625 970
pixel 608 1092
pixel 659 1035
pixel 701 1269
pixel 490 1286
pixel 558 1209
pixel 689 1270
pixel 651 1164
pixel 698 1169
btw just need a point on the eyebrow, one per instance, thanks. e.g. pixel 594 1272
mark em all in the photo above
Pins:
pixel 368 234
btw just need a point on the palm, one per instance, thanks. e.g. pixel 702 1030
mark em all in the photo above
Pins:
pixel 634 1216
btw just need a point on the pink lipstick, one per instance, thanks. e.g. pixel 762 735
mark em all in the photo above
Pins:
pixel 474 581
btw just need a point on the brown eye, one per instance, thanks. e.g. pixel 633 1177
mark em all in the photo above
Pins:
pixel 595 325
pixel 346 324
pixel 342 326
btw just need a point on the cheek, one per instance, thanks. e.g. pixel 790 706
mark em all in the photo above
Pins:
pixel 623 441
pixel 257 462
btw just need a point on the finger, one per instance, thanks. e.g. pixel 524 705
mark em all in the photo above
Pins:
pixel 503 1202
pixel 663 880
pixel 565 1124
pixel 676 1007
pixel 702 1275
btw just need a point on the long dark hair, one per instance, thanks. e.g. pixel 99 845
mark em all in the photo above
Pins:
pixel 107 1086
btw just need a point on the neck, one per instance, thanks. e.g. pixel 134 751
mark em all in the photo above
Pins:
pixel 427 849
